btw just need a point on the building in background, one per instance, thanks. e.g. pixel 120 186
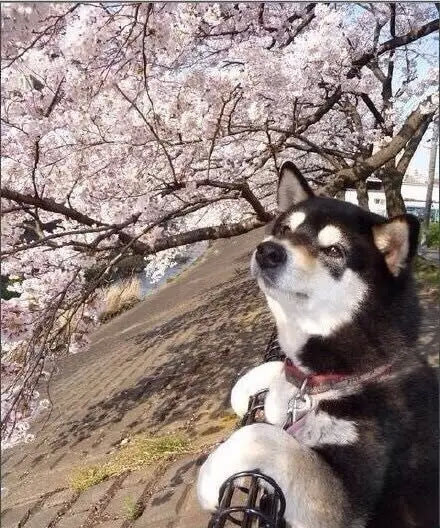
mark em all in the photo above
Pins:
pixel 413 193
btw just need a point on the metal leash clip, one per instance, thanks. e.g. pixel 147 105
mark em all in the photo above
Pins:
pixel 299 405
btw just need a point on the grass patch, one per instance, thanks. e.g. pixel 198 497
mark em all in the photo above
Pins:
pixel 86 477
pixel 119 297
pixel 428 278
pixel 249 318
pixel 426 272
pixel 433 235
pixel 140 451
pixel 229 421
pixel 132 509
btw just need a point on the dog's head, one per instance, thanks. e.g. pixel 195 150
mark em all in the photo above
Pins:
pixel 322 258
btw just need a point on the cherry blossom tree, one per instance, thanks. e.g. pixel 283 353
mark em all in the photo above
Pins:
pixel 140 128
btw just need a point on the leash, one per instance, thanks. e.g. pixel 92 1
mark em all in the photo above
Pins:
pixel 273 350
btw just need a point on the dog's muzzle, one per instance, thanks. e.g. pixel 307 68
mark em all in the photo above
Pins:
pixel 270 255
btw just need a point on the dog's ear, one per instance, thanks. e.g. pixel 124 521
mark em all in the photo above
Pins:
pixel 397 239
pixel 292 187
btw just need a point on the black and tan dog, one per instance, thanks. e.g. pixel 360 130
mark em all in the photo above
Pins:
pixel 353 412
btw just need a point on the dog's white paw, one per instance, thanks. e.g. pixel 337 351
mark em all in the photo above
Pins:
pixel 257 379
pixel 277 400
pixel 258 446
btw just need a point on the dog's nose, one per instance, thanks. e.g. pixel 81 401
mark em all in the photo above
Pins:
pixel 270 255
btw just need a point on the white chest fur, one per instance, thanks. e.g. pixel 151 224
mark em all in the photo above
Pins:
pixel 320 428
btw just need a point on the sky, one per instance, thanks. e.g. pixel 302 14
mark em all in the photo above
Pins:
pixel 420 160
pixel 429 46
pixel 421 157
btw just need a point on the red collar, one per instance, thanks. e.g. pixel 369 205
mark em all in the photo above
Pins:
pixel 316 383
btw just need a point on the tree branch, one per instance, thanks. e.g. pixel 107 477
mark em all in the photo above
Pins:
pixel 367 166
pixel 205 233
pixel 391 44
pixel 372 107
pixel 151 129
pixel 35 166
pixel 320 112
pixel 47 204
pixel 412 146
pixel 42 34
pixel 141 248
pixel 50 205
pixel 241 187
pixel 55 99
pixel 256 205
pixel 309 15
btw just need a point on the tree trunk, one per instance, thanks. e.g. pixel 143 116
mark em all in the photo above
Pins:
pixel 362 194
pixel 431 174
pixel 392 186
pixel 393 196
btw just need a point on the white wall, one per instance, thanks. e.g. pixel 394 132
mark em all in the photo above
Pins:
pixel 414 196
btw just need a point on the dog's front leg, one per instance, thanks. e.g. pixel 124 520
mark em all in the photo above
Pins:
pixel 315 497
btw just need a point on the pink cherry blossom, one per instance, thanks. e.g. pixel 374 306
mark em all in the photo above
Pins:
pixel 139 128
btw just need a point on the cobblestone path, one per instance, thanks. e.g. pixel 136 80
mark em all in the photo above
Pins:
pixel 167 365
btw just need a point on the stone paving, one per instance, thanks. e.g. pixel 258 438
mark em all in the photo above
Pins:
pixel 167 365
pixel 163 499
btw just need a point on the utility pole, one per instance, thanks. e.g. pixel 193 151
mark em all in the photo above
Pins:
pixel 431 173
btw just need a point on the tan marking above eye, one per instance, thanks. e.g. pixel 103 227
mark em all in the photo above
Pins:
pixel 329 236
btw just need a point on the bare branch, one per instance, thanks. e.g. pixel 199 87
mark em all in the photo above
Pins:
pixel 372 107
pixel 43 33
pixel 151 129
pixel 35 166
pixel 391 44
pixel 205 233
pixel 54 100
pixel 309 15
pixel 412 146
pixel 367 166
pixel 320 112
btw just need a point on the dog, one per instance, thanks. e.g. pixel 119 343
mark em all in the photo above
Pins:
pixel 351 432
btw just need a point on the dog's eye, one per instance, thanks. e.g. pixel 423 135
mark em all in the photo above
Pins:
pixel 284 229
pixel 333 251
